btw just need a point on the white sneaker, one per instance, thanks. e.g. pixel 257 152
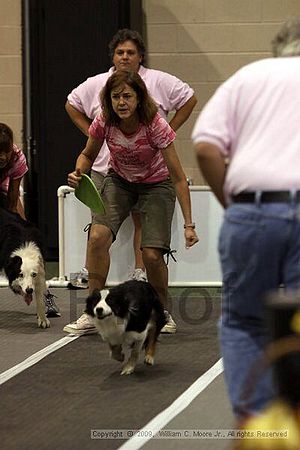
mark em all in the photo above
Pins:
pixel 83 325
pixel 83 275
pixel 139 275
pixel 170 327
pixel 80 281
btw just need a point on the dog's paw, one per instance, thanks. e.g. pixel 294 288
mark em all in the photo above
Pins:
pixel 43 323
pixel 149 360
pixel 127 369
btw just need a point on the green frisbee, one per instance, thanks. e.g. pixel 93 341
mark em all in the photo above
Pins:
pixel 88 194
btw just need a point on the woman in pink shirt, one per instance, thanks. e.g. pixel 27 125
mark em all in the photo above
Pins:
pixel 144 169
pixel 13 167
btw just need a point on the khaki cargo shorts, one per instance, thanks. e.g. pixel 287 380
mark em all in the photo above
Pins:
pixel 154 201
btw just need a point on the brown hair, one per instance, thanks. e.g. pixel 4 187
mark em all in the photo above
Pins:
pixel 6 137
pixel 127 35
pixel 6 144
pixel 146 109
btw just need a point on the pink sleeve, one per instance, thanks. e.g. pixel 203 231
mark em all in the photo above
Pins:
pixel 85 97
pixel 161 134
pixel 20 166
pixel 97 128
pixel 170 91
pixel 181 93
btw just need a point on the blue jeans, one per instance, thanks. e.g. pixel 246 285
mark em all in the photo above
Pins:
pixel 259 247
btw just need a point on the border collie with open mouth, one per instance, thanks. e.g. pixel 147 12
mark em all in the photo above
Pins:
pixel 22 260
pixel 129 314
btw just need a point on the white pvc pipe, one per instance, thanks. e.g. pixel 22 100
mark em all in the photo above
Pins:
pixel 57 283
pixel 62 191
pixel 199 188
pixel 191 284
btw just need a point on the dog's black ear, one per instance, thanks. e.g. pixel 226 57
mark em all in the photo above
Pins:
pixel 92 301
pixel 96 293
pixel 12 268
pixel 117 302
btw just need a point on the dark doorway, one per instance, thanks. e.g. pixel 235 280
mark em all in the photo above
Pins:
pixel 64 42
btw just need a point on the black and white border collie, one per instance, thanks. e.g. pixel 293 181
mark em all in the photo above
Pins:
pixel 129 314
pixel 22 261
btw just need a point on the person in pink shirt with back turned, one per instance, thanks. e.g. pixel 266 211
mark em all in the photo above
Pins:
pixel 127 51
pixel 253 120
pixel 144 169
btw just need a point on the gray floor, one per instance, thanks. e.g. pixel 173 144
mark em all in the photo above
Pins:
pixel 209 411
pixel 132 402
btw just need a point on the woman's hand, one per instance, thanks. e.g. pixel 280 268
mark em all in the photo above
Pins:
pixel 191 237
pixel 74 178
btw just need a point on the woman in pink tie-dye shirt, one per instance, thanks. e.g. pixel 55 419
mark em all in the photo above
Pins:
pixel 144 170
pixel 13 167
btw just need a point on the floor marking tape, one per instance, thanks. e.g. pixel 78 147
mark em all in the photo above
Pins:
pixel 182 402
pixel 36 357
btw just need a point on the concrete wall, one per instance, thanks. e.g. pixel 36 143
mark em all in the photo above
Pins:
pixel 205 41
pixel 11 66
pixel 200 41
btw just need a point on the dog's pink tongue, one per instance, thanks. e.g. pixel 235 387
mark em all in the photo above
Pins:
pixel 28 298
